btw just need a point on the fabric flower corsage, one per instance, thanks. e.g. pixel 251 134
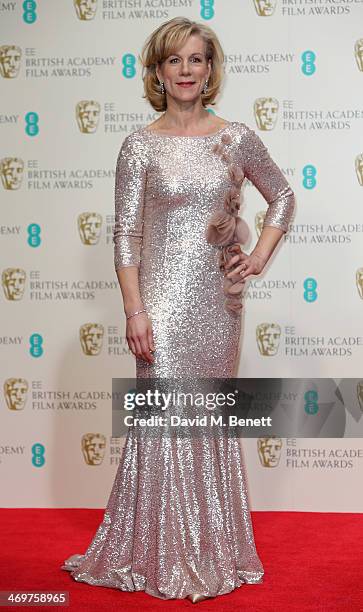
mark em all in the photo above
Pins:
pixel 227 230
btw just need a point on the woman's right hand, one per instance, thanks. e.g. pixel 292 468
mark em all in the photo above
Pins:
pixel 140 337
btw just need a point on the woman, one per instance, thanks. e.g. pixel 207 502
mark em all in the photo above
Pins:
pixel 177 523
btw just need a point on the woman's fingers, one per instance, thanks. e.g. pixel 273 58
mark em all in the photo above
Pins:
pixel 236 248
pixel 131 344
pixel 235 259
pixel 140 348
pixel 243 270
pixel 249 264
pixel 150 339
pixel 240 256
pixel 145 350
pixel 235 274
pixel 138 351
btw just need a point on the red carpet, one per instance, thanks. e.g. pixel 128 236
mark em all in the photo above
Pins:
pixel 312 561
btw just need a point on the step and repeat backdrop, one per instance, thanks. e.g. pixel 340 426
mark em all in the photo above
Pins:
pixel 71 90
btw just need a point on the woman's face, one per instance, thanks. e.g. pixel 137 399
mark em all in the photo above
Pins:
pixel 184 73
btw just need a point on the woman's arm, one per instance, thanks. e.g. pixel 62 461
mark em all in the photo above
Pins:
pixel 130 181
pixel 267 177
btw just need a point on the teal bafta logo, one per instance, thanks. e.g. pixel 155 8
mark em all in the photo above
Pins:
pixel 310 293
pixel 128 65
pixel 311 405
pixel 29 15
pixel 38 450
pixel 309 176
pixel 308 63
pixel 36 345
pixel 31 124
pixel 207 9
pixel 34 238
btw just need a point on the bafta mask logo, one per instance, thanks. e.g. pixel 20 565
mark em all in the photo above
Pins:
pixel 360 393
pixel 266 112
pixel 268 338
pixel 13 281
pixel 359 281
pixel 89 227
pixel 85 9
pixel 91 336
pixel 265 8
pixel 87 115
pixel 93 448
pixel 15 393
pixel 11 172
pixel 359 168
pixel 10 58
pixel 259 219
pixel 358 52
pixel 269 451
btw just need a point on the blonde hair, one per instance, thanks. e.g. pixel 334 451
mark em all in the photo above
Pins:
pixel 165 40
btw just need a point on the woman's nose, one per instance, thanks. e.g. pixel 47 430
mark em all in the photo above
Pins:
pixel 185 67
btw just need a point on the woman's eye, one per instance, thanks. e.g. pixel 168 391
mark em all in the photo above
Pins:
pixel 194 59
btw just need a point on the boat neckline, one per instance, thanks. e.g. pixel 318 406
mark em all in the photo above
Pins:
pixel 152 132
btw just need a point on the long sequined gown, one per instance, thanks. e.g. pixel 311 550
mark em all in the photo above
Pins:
pixel 177 520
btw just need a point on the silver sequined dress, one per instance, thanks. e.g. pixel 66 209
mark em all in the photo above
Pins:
pixel 177 520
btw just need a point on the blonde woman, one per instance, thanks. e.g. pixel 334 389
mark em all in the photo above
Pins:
pixel 177 523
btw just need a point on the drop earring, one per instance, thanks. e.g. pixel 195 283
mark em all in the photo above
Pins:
pixel 205 88
pixel 162 90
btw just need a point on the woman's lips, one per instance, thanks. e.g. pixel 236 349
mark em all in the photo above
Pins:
pixel 190 84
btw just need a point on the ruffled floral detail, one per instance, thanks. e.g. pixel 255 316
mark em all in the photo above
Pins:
pixel 227 230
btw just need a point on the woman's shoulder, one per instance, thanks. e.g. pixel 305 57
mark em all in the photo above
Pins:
pixel 134 137
pixel 134 144
pixel 243 128
pixel 248 141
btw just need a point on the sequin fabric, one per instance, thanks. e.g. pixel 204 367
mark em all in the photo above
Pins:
pixel 177 520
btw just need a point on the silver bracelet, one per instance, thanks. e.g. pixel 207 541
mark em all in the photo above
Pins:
pixel 135 313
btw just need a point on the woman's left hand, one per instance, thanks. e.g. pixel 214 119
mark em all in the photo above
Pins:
pixel 246 264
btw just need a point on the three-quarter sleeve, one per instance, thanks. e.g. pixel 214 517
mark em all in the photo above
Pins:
pixel 130 183
pixel 267 177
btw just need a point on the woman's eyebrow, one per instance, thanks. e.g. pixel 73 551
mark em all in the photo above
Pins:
pixel 176 54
